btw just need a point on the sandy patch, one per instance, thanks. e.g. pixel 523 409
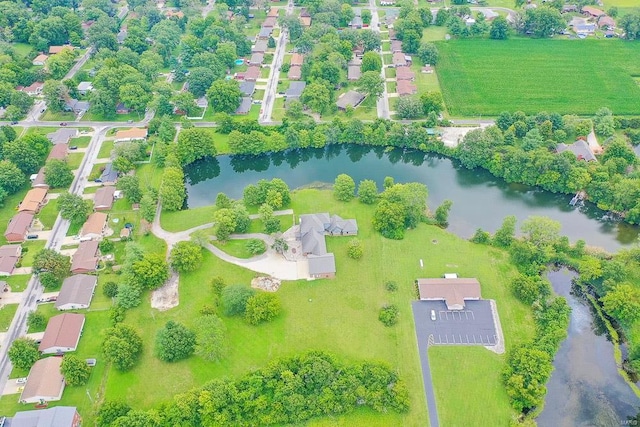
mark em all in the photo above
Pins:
pixel 269 284
pixel 166 297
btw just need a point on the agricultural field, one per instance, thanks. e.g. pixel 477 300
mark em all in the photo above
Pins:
pixel 478 77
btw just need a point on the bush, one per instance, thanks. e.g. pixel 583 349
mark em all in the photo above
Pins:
pixel 122 346
pixel 110 289
pixel 75 370
pixel 262 307
pixel 106 246
pixel 354 249
pixel 389 315
pixel 36 321
pixel 256 246
pixel 391 286
pixel 185 257
pixel 234 299
pixel 481 237
pixel 117 314
pixel 174 342
pixel 23 353
pixel 217 285
pixel 344 188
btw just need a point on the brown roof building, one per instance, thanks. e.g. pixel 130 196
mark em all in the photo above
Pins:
pixel 133 134
pixel 58 152
pixel 454 292
pixel 76 292
pixel 103 200
pixel 399 60
pixel 9 257
pixel 592 11
pixel 62 333
pixel 33 200
pixel 85 259
pixel 40 59
pixel 305 21
pixel 295 73
pixel 18 227
pixel 405 87
pixel 45 382
pixel 95 225
pixel 405 73
pixel 297 60
pixel 273 13
pixel 38 180
pixel 270 22
pixel 57 49
pixel 252 74
pixel 353 72
pixel 396 46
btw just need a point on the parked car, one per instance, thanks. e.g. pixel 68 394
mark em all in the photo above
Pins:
pixel 63 124
pixel 21 381
pixel 32 236
pixel 73 147
pixel 15 122
pixel 433 315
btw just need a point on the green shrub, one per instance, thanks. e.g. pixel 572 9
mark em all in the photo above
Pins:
pixel 389 315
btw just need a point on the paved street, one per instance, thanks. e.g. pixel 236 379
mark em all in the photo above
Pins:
pixel 382 104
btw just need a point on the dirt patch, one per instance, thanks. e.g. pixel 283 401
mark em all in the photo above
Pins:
pixel 166 297
pixel 269 284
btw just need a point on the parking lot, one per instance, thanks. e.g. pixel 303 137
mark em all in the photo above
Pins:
pixel 472 326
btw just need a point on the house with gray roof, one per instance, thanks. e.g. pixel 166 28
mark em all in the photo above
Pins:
pixel 62 136
pixel 353 72
pixel 261 46
pixel 580 149
pixel 109 175
pixel 295 89
pixel 245 106
pixel 76 292
pixel 247 88
pixel 76 106
pixel 352 98
pixel 265 33
pixel 58 416
pixel 256 58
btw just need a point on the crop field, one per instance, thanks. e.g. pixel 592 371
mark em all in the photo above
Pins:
pixel 486 77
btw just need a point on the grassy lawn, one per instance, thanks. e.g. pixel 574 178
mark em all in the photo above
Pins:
pixel 81 141
pixel 150 175
pixel 74 160
pixel 183 220
pixel 433 33
pixel 41 130
pixel 389 72
pixel 22 49
pixel 386 46
pixel 391 87
pixel 259 94
pixel 235 247
pixel 18 283
pixel 278 111
pixel 105 149
pixel 48 214
pixel 6 315
pixel 476 80
pixel 264 72
pixel 92 117
pixel 424 82
pixel 286 221
pixel 58 116
pixel 34 247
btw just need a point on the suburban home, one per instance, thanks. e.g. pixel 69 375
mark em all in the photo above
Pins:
pixel 256 59
pixel 202 102
pixel 85 259
pixel 295 90
pixel 18 227
pixel 247 88
pixel 95 226
pixel 592 11
pixel 297 60
pixel 57 49
pixel 174 14
pixel 355 61
pixel 9 257
pixel 45 382
pixel 305 21
pixel 392 34
pixel 245 106
pixel 62 136
pixel 352 98
pixel 33 200
pixel 73 105
pixel 109 175
pixel 58 416
pixel 606 22
pixel 122 109
pixel 76 292
pixel 40 59
pixel 121 36
pixel 453 291
pixel 295 73
pixel 273 13
pixel 265 33
pixel 356 23
pixel 396 46
pixel 84 88
pixel 33 89
pixel 312 231
pixel 405 87
pixel 269 22
pixel 387 3
pixel 261 46
pixel 353 73
pixel 38 179
pixel 252 74
pixel 399 60
pixel 62 333
pixel 58 152
pixel 405 73
pixel 103 199
pixel 133 134
pixel 580 149
pixel 569 8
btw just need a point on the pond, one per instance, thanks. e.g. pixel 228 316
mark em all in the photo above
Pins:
pixel 480 200
pixel 585 388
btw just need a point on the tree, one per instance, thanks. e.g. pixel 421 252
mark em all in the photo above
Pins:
pixel 411 41
pixel 122 346
pixel 130 186
pixel 262 307
pixel 224 96
pixel 150 272
pixel 110 289
pixel 174 342
pixel 630 24
pixel 129 296
pixel 344 188
pixel 409 107
pixel 442 213
pixel 11 177
pixel 194 144
pixel 53 265
pixel 256 246
pixel 74 207
pixel 27 153
pixel 58 174
pixel 23 353
pixel 525 375
pixel 106 246
pixel 388 219
pixel 432 102
pixel 428 53
pixel 499 28
pixel 54 95
pixel 527 288
pixel 172 191
pixel 354 249
pixel 110 411
pixel 234 299
pixel 36 321
pixel 623 302
pixel 317 96
pixel 367 192
pixel 185 257
pixel 227 53
pixel 147 207
pixel 603 122
pixel 389 315
pixel 200 79
pixel 543 21
pixel 223 201
pixel 75 370
pixel 505 234
pixel 541 231
pixel 371 61
pixel 210 338
pixel 225 224
pixel 371 83
pixel 280 245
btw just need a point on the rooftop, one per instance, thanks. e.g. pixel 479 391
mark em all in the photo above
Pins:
pixel 45 379
pixel 580 149
pixel 95 223
pixel 77 290
pixel 352 98
pixel 453 291
pixel 295 89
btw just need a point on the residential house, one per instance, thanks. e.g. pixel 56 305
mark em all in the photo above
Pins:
pixel 104 197
pixel 58 416
pixel 245 106
pixel 18 227
pixel 9 257
pixel 305 21
pixel 247 88
pixel 265 33
pixel 405 73
pixel 62 136
pixel 62 333
pixel 295 73
pixel 109 175
pixel 38 179
pixel 33 89
pixel 121 36
pixel 399 60
pixel 405 87
pixel 453 291
pixel 256 59
pixel 133 134
pixel 57 49
pixel 122 109
pixel 295 90
pixel 392 34
pixel 352 98
pixel 297 60
pixel 174 14
pixel 580 149
pixel 73 105
pixel 202 102
pixel 269 22
pixel 85 259
pixel 356 23
pixel 584 29
pixel 58 152
pixel 33 200
pixel 567 8
pixel 606 22
pixel 260 46
pixel 76 292
pixel 387 3
pixel 355 61
pixel 396 46
pixel 84 88
pixel 592 12
pixel 252 74
pixel 273 13
pixel 353 73
pixel 95 226
pixel 45 382
pixel 40 59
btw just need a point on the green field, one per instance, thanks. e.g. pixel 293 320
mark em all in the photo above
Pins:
pixel 486 77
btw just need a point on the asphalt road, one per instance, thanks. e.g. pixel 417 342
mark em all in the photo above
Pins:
pixel 382 104
pixel 423 349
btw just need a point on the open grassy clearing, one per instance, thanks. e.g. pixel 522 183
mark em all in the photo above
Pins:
pixel 6 315
pixel 34 247
pixel 58 116
pixel 551 75
pixel 81 141
pixel 49 213
pixel 18 283
pixel 433 33
pixel 235 247
pixel 74 160
pixel 105 149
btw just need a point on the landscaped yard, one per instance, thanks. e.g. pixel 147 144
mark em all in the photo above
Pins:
pixel 48 214
pixel 6 315
pixel 81 141
pixel 105 149
pixel 34 246
pixel 18 283
pixel 235 247
pixel 74 160
pixel 486 77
